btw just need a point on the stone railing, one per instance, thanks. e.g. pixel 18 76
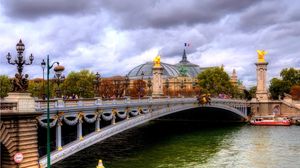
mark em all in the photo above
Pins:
pixel 59 103
pixel 8 107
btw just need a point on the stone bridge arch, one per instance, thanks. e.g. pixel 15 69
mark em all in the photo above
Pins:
pixel 126 124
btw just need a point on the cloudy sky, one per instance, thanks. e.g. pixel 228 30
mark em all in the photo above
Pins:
pixel 114 36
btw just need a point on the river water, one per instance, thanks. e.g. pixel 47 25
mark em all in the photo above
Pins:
pixel 174 144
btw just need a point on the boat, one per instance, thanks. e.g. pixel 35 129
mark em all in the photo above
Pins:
pixel 270 121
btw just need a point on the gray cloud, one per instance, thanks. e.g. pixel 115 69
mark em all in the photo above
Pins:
pixel 32 9
pixel 165 14
pixel 127 33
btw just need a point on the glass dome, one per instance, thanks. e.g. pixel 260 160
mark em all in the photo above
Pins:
pixel 169 70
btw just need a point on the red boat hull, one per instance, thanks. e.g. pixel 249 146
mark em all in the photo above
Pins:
pixel 272 123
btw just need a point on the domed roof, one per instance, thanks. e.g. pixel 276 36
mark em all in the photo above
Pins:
pixel 192 69
pixel 169 70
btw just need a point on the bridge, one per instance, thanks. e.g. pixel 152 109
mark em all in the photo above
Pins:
pixel 120 114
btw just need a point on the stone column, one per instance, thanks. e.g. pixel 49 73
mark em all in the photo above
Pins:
pixel 79 129
pixel 157 81
pixel 97 124
pixel 261 90
pixel 58 135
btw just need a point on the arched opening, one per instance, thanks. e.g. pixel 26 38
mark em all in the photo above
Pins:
pixel 205 114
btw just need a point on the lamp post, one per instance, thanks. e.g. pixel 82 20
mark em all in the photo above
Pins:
pixel 43 65
pixel 149 84
pixel 167 86
pixel 142 74
pixel 140 84
pixel 20 61
pixel 19 85
pixel 127 82
pixel 81 89
pixel 182 85
pixel 59 78
pixel 97 82
pixel 58 72
pixel 194 86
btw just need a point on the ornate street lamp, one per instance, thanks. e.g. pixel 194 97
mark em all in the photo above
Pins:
pixel 140 83
pixel 20 62
pixel 149 84
pixel 58 72
pixel 194 86
pixel 59 78
pixel 81 90
pixel 182 85
pixel 167 86
pixel 127 82
pixel 43 65
pixel 97 82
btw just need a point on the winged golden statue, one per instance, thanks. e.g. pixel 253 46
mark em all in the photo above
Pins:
pixel 157 61
pixel 261 55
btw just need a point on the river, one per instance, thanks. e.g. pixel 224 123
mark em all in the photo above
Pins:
pixel 174 144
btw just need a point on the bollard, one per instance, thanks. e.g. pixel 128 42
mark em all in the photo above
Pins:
pixel 100 164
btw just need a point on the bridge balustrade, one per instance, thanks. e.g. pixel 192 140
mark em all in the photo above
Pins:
pixel 8 107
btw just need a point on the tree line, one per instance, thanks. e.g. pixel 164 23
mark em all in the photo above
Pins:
pixel 289 83
pixel 212 80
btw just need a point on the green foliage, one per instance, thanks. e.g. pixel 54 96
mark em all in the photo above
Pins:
pixel 5 85
pixel 247 94
pixel 35 88
pixel 291 76
pixel 215 81
pixel 252 91
pixel 79 83
pixel 278 87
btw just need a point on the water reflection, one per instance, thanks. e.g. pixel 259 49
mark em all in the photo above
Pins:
pixel 156 144
pixel 173 144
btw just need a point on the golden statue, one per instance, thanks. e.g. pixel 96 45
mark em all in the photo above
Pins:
pixel 157 61
pixel 261 55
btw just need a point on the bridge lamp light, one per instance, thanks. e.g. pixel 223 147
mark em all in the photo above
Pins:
pixel 97 82
pixel 127 82
pixel 59 78
pixel 167 86
pixel 43 65
pixel 58 72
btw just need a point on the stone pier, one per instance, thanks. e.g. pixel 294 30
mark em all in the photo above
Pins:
pixel 157 79
pixel 18 131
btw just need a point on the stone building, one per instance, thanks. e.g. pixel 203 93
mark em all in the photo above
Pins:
pixel 235 82
pixel 178 79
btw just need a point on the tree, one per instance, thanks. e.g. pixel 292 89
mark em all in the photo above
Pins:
pixel 247 94
pixel 79 83
pixel 291 76
pixel 35 88
pixel 107 88
pixel 252 91
pixel 295 92
pixel 278 87
pixel 139 88
pixel 5 85
pixel 215 81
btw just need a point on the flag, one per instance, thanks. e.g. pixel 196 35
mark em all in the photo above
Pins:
pixel 187 44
